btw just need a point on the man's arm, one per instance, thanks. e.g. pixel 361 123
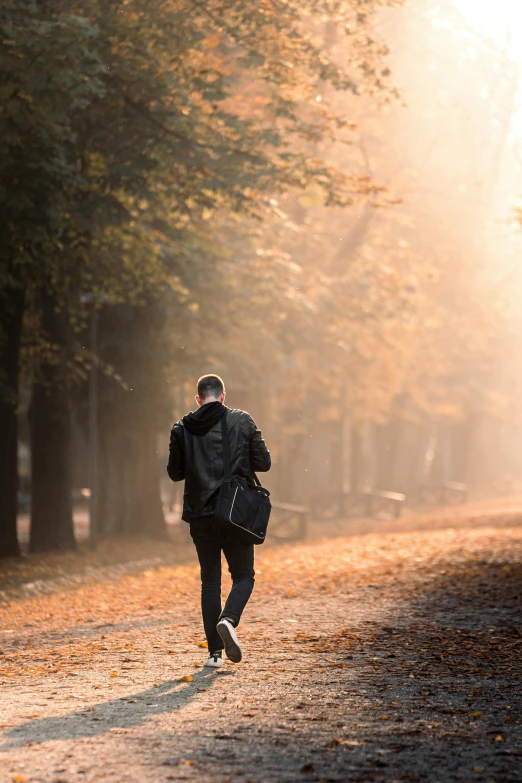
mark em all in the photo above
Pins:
pixel 259 455
pixel 176 466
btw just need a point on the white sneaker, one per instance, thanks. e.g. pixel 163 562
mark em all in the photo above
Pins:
pixel 214 660
pixel 228 633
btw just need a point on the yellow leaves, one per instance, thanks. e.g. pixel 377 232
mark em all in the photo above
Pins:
pixel 211 41
pixel 186 678
pixel 474 715
pixel 186 762
pixel 290 593
pixel 19 779
pixel 499 738
pixel 385 717
pixel 312 197
pixel 203 644
pixel 114 674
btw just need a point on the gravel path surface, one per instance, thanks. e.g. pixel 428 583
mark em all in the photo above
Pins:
pixel 381 657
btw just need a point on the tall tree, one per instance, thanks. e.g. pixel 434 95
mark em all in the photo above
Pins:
pixel 48 71
pixel 50 425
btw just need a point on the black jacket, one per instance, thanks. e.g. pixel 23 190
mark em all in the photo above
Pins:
pixel 196 454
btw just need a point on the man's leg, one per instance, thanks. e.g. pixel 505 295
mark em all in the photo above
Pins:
pixel 240 559
pixel 208 549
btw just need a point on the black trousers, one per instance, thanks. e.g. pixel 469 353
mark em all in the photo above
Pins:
pixel 211 538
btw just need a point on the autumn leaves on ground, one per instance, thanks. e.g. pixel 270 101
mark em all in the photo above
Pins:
pixel 390 656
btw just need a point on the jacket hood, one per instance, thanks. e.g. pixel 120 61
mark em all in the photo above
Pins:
pixel 201 421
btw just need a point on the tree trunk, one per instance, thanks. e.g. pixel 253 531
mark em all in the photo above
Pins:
pixel 12 306
pixel 388 443
pixel 128 486
pixel 50 428
pixel 129 499
pixel 356 463
pixel 51 504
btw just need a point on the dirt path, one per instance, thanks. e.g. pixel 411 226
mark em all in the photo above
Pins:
pixel 391 657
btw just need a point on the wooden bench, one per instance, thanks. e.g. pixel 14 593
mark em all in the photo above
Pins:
pixel 379 500
pixel 454 490
pixel 288 522
pixel 447 492
pixel 328 505
pixel 348 504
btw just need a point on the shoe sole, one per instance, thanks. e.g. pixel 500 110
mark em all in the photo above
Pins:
pixel 232 648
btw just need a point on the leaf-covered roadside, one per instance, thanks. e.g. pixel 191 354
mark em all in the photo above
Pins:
pixel 392 656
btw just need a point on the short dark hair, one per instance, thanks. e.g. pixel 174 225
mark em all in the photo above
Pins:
pixel 210 386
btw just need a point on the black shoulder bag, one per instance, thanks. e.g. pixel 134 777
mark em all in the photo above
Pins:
pixel 244 506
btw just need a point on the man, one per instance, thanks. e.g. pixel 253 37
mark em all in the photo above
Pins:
pixel 196 455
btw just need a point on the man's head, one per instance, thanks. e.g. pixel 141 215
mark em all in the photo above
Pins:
pixel 210 389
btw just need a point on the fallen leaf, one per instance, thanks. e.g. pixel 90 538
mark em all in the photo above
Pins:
pixel 114 674
pixel 186 678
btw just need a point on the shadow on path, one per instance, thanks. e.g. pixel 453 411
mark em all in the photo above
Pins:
pixel 124 712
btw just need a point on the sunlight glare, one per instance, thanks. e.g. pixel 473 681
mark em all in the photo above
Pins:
pixel 500 20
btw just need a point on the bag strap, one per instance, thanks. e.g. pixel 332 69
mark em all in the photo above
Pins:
pixel 226 453
pixel 226 450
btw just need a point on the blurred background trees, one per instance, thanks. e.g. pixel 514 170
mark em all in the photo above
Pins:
pixel 241 188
